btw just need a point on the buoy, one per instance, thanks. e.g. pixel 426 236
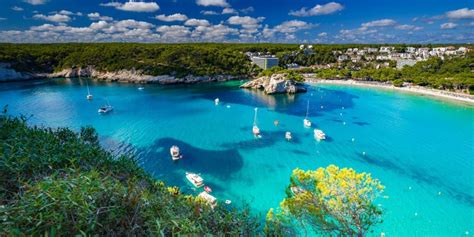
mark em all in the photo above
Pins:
pixel 409 188
pixel 228 201
pixel 322 107
pixel 416 213
pixel 439 193
pixel 353 139
pixel 340 114
pixel 382 234
pixel 342 107
pixel 467 232
pixel 363 153
pixel 343 123
pixel 228 106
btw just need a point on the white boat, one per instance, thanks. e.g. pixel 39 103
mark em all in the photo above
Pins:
pixel 210 200
pixel 89 95
pixel 216 101
pixel 288 136
pixel 141 88
pixel 105 108
pixel 319 134
pixel 306 121
pixel 255 129
pixel 296 190
pixel 174 151
pixel 195 179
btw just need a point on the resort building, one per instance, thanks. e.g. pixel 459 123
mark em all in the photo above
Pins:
pixel 265 62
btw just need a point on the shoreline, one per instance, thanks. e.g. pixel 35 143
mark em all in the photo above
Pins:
pixel 453 96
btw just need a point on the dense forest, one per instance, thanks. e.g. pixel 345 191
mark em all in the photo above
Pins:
pixel 153 59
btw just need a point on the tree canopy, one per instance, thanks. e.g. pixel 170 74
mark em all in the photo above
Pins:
pixel 329 200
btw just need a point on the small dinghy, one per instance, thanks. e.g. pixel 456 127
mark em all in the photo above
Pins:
pixel 174 151
pixel 141 88
pixel 319 134
pixel 276 122
pixel 228 201
pixel 207 189
pixel 288 136
pixel 195 179
pixel 216 101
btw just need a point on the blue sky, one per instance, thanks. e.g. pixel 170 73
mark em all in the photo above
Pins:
pixel 293 21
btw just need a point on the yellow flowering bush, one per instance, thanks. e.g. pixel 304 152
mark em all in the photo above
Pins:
pixel 332 200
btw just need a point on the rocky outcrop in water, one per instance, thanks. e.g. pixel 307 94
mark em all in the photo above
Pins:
pixel 275 84
pixel 129 76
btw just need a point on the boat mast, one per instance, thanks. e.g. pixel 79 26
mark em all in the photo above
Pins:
pixel 307 109
pixel 88 91
pixel 255 118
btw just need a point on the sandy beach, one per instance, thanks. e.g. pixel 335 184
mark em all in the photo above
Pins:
pixel 461 97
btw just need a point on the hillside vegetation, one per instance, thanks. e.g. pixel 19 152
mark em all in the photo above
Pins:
pixel 62 182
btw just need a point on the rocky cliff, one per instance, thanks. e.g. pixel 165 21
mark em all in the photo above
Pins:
pixel 275 84
pixel 129 76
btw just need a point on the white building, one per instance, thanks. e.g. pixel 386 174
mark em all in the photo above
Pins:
pixel 265 62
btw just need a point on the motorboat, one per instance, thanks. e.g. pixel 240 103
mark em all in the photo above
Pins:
pixel 319 134
pixel 210 200
pixel 174 151
pixel 288 136
pixel 207 189
pixel 216 101
pixel 306 121
pixel 89 97
pixel 228 202
pixel 141 88
pixel 195 179
pixel 107 108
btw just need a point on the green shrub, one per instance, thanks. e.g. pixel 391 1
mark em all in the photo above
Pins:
pixel 56 181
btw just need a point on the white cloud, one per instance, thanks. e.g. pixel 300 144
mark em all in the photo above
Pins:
pixel 322 34
pixel 174 32
pixel 379 23
pixel 197 22
pixel 247 10
pixel 408 27
pixel 463 13
pixel 287 28
pixel 216 3
pixel 17 8
pixel 249 25
pixel 209 13
pixel 54 18
pixel 133 6
pixel 245 21
pixel 95 16
pixel 326 9
pixel 173 17
pixel 449 25
pixel 229 10
pixel 213 33
pixel 35 2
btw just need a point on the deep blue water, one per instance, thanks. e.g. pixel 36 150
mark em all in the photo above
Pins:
pixel 421 149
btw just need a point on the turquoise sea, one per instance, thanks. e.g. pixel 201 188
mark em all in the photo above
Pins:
pixel 422 149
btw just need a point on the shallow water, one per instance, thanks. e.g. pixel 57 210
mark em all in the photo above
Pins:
pixel 421 149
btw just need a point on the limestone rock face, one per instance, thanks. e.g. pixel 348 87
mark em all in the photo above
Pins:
pixel 137 76
pixel 275 84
